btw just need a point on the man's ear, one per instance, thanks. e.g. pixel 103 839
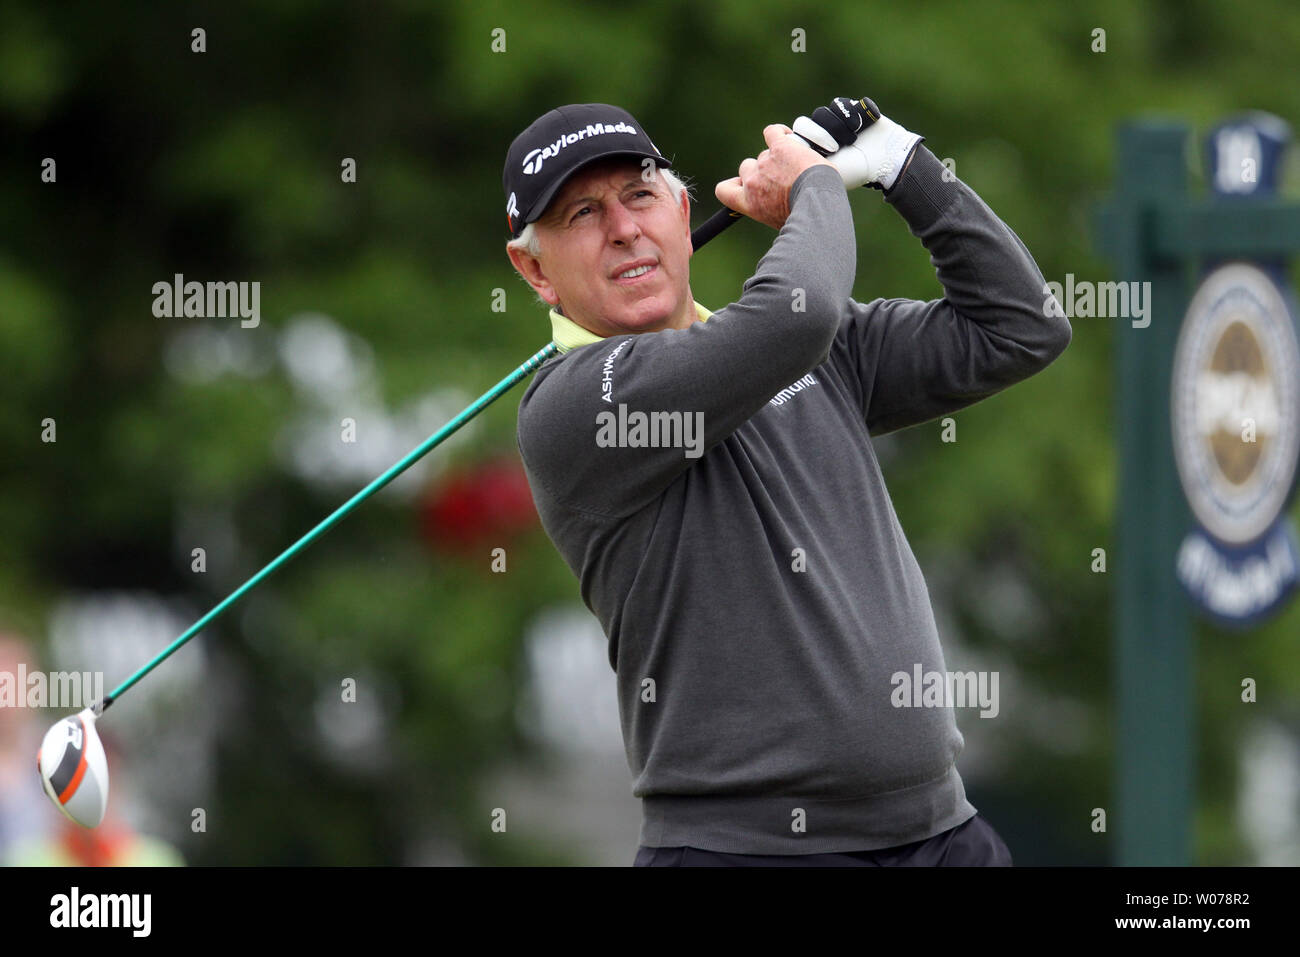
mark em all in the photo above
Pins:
pixel 530 267
pixel 685 206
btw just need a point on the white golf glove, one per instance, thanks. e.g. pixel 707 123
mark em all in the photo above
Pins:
pixel 868 148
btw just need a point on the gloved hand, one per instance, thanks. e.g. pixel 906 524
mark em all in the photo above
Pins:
pixel 867 147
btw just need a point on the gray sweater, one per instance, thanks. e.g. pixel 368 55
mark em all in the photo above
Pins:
pixel 757 590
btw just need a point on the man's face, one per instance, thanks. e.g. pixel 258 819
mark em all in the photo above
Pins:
pixel 607 219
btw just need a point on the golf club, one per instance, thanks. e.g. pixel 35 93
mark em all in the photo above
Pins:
pixel 71 760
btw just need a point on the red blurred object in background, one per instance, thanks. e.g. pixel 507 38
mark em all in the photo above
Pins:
pixel 485 503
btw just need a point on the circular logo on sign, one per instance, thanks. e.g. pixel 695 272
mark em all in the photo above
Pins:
pixel 1235 399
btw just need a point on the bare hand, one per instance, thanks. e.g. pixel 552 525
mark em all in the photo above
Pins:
pixel 762 190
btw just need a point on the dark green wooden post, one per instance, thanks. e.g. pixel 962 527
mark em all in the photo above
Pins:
pixel 1151 818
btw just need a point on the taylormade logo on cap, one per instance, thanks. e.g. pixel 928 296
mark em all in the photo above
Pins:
pixel 534 160
pixel 559 143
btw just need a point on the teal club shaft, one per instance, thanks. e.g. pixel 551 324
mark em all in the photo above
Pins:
pixel 721 220
pixel 411 458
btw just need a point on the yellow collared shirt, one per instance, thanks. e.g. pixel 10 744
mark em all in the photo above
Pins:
pixel 567 334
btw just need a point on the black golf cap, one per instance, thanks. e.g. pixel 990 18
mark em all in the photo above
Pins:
pixel 557 145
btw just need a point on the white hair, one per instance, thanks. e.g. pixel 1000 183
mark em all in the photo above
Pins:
pixel 528 240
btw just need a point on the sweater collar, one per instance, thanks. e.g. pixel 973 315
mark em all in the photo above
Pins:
pixel 567 334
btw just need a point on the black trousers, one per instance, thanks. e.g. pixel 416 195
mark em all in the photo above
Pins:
pixel 973 844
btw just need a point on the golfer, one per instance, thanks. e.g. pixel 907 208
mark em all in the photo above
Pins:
pixel 709 477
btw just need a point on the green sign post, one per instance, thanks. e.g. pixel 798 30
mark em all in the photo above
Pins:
pixel 1155 232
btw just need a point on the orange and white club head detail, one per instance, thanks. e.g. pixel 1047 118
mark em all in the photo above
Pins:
pixel 74 768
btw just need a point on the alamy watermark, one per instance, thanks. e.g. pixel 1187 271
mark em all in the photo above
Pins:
pixel 946 689
pixel 131 912
pixel 213 300
pixel 1104 300
pixel 654 430
pixel 55 689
